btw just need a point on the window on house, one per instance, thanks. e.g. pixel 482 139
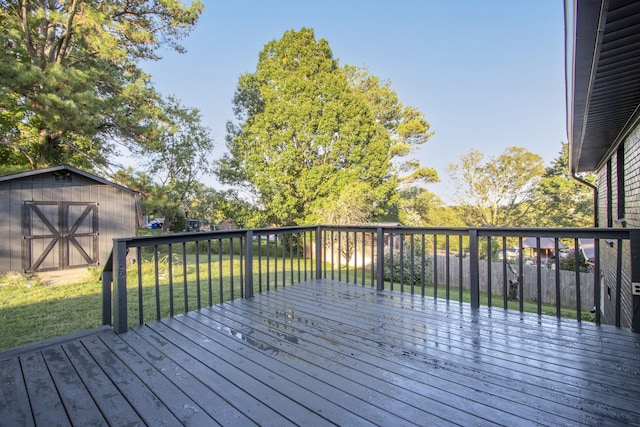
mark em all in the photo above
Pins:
pixel 620 181
pixel 609 196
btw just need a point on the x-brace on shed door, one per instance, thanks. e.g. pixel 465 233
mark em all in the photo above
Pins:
pixel 59 235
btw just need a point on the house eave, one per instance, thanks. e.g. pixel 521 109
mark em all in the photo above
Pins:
pixel 603 78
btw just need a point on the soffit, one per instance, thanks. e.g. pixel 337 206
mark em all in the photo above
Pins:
pixel 606 79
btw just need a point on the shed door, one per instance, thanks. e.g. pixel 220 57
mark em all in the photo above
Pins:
pixel 59 235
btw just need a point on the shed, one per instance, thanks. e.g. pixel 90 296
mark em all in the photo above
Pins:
pixel 62 217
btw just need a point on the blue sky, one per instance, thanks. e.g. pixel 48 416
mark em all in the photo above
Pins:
pixel 486 74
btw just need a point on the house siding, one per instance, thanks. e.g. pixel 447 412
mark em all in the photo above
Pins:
pixel 631 147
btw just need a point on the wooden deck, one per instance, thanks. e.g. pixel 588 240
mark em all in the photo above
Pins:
pixel 325 353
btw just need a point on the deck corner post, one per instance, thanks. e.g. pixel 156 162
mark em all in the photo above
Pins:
pixel 474 268
pixel 634 237
pixel 120 286
pixel 248 269
pixel 380 259
pixel 318 254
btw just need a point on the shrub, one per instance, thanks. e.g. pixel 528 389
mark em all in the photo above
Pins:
pixel 408 272
pixel 568 261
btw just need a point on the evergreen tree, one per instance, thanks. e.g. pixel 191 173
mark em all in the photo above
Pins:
pixel 70 85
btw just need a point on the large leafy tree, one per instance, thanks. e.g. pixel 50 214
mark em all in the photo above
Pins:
pixel 406 126
pixel 501 191
pixel 315 142
pixel 421 207
pixel 70 85
pixel 182 155
pixel 305 137
pixel 563 201
pixel 173 166
pixel 215 206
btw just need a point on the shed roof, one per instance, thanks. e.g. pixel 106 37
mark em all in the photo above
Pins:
pixel 64 168
pixel 603 78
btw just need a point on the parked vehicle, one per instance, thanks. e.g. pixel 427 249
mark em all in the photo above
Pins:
pixel 156 224
pixel 193 225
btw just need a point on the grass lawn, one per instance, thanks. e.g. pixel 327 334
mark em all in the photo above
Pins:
pixel 31 310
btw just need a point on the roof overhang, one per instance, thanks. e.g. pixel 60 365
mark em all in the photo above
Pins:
pixel 64 169
pixel 603 78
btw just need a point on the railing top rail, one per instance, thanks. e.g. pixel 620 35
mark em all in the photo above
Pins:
pixel 161 239
pixel 574 232
pixel 396 228
pixel 586 233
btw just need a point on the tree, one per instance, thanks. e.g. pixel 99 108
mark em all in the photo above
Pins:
pixel 499 192
pixel 564 202
pixel 327 122
pixel 70 86
pixel 216 206
pixel 182 155
pixel 174 164
pixel 304 135
pixel 407 127
pixel 422 208
pixel 155 201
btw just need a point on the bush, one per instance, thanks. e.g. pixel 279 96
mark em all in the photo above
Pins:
pixel 179 223
pixel 568 261
pixel 408 273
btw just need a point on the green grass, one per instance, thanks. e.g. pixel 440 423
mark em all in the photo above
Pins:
pixel 32 311
pixel 228 283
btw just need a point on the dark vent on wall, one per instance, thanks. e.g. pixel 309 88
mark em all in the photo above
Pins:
pixel 62 176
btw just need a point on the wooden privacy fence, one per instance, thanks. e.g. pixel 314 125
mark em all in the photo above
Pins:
pixel 566 285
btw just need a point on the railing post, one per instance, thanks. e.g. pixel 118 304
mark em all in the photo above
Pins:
pixel 107 282
pixel 596 281
pixel 634 237
pixel 119 298
pixel 248 265
pixel 319 255
pixel 474 268
pixel 107 279
pixel 380 259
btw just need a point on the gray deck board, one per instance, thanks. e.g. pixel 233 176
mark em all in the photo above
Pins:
pixel 438 374
pixel 328 353
pixel 471 358
pixel 14 399
pixel 228 384
pixel 112 403
pixel 78 403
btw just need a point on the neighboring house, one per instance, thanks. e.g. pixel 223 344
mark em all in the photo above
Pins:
pixel 61 217
pixel 603 96
pixel 227 225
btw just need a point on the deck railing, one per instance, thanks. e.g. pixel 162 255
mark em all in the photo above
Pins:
pixel 152 277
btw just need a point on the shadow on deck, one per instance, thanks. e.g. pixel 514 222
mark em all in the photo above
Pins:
pixel 323 353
